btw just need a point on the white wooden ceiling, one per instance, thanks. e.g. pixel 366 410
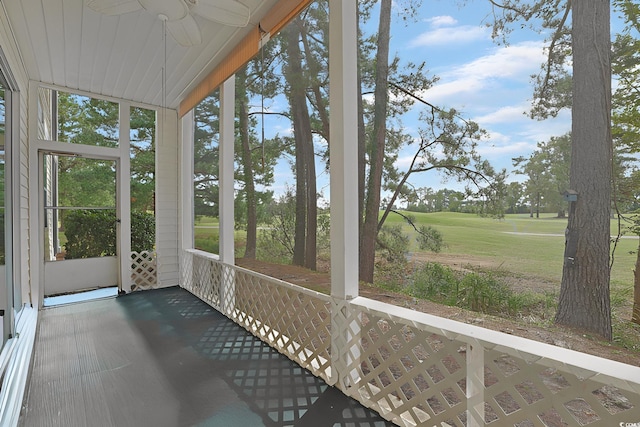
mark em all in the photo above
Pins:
pixel 65 43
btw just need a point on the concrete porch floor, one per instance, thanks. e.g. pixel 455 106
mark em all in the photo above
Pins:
pixel 165 358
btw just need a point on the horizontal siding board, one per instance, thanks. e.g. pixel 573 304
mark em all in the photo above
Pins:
pixel 167 201
pixel 17 62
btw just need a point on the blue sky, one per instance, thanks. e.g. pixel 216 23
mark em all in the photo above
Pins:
pixel 486 82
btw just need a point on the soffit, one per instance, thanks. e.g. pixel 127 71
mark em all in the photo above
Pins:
pixel 64 43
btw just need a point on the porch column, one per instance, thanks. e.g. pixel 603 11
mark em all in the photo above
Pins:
pixel 226 194
pixel 343 112
pixel 185 160
pixel 344 189
pixel 124 200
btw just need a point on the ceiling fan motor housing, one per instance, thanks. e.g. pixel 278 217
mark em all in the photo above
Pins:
pixel 173 10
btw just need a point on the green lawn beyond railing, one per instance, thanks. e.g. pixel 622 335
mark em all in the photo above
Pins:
pixel 518 243
pixel 527 250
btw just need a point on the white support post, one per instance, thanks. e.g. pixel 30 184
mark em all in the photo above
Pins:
pixel 344 147
pixel 123 204
pixel 475 385
pixel 343 45
pixel 167 255
pixel 185 197
pixel 226 193
pixel 33 293
pixel 185 161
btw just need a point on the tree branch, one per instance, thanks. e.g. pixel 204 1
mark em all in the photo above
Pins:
pixel 509 7
pixel 417 98
pixel 556 36
pixel 409 221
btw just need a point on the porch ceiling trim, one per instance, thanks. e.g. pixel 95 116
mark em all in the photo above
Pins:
pixel 277 17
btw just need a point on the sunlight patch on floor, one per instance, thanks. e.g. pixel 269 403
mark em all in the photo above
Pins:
pixel 81 296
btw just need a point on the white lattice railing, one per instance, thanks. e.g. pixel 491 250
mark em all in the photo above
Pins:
pixel 144 270
pixel 293 320
pixel 416 369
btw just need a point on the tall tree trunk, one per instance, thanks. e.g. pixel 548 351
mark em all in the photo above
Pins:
pixel 306 214
pixel 247 165
pixel 584 294
pixel 377 152
pixel 531 208
pixel 310 251
pixel 310 161
pixel 300 228
pixel 318 99
pixel 362 150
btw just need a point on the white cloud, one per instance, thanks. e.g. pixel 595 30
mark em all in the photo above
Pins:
pixel 495 138
pixel 442 93
pixel 441 21
pixel 466 82
pixel 403 162
pixel 508 114
pixel 539 131
pixel 449 35
pixel 444 32
pixel 282 131
pixel 508 61
pixel 490 150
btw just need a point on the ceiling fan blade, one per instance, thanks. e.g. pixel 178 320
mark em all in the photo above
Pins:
pixel 185 31
pixel 114 7
pixel 227 12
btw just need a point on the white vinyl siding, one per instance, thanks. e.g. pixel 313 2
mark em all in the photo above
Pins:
pixel 20 161
pixel 167 198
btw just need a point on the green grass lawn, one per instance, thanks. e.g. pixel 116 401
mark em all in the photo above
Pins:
pixel 528 254
pixel 206 221
pixel 491 239
pixel 207 235
pixel 518 245
pixel 533 256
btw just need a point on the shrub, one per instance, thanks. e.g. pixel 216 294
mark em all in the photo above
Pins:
pixel 435 282
pixel 477 292
pixel 209 244
pixel 482 293
pixel 394 243
pixel 429 239
pixel 143 231
pixel 92 233
pixel 276 241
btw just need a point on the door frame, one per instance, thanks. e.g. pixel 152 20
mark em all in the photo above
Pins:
pixel 76 275
pixel 84 151
pixel 120 154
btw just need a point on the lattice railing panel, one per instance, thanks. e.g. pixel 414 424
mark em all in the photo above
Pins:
pixel 201 275
pixel 410 376
pixel 295 321
pixel 144 270
pixel 524 391
pixel 416 373
pixel 416 369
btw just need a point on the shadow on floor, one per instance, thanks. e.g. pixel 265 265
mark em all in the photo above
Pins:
pixel 268 389
pixel 165 358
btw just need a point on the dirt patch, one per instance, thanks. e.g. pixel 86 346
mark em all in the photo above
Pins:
pixel 523 327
